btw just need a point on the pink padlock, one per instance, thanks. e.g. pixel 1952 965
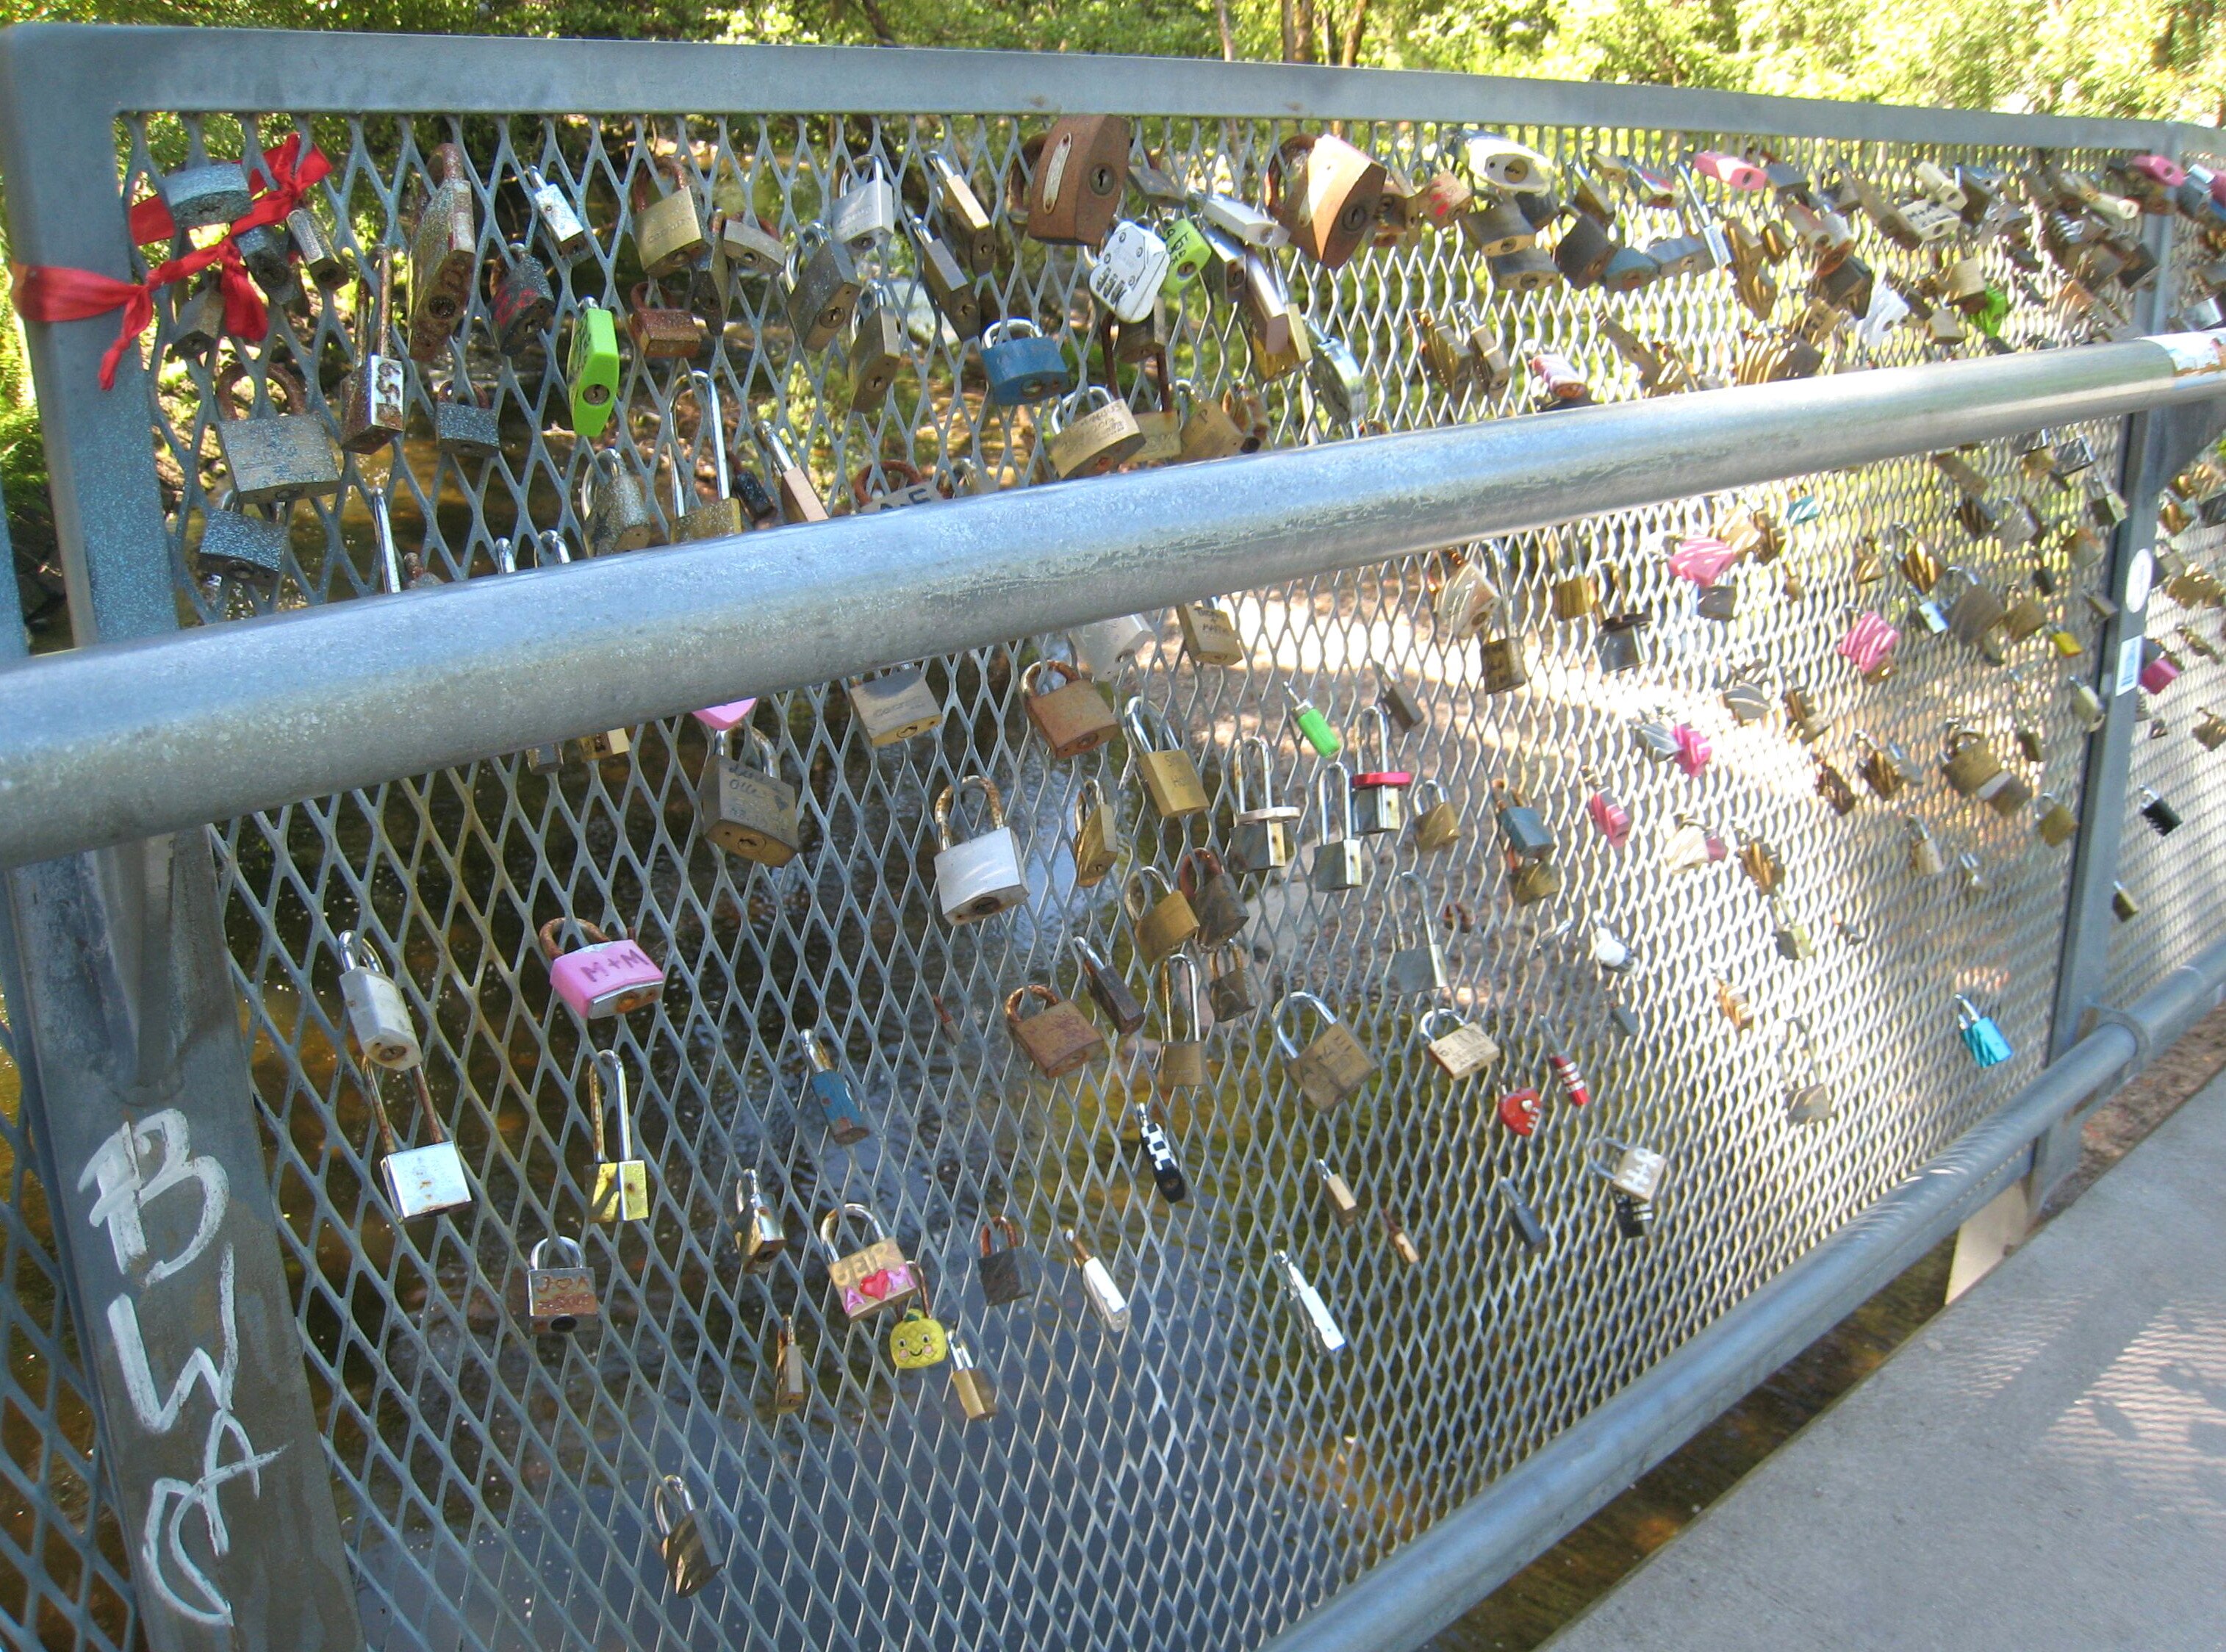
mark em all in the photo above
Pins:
pixel 720 719
pixel 1729 171
pixel 1558 376
pixel 2158 169
pixel 1611 817
pixel 606 978
pixel 2159 670
pixel 1702 558
pixel 1694 749
pixel 1868 641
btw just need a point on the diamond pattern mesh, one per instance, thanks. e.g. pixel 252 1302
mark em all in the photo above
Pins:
pixel 1206 1479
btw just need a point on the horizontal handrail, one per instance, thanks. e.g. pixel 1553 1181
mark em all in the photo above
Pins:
pixel 1419 1589
pixel 115 742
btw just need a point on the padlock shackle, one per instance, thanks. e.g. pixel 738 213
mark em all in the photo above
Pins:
pixel 1168 1001
pixel 1080 1252
pixel 1254 743
pixel 1069 410
pixel 609 1058
pixel 551 929
pixel 1441 1013
pixel 438 1131
pixel 382 527
pixel 1299 999
pixel 673 1485
pixel 548 540
pixel 1189 876
pixel 1419 903
pixel 1019 995
pixel 1136 905
pixel 747 1193
pixel 357 953
pixel 381 1121
pixel 1333 801
pixel 565 1248
pixel 1012 326
pixel 999 1225
pixel 944 799
pixel 1373 720
pixel 832 1222
pixel 1068 670
pixel 1084 805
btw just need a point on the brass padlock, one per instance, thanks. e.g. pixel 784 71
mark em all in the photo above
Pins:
pixel 968 226
pixel 668 229
pixel 2056 823
pixel 559 1291
pixel 663 331
pixel 878 348
pixel 1097 845
pixel 1333 1067
pixel 1505 669
pixel 819 287
pixel 1326 194
pixel 1073 718
pixel 1213 895
pixel 444 255
pixel 1230 990
pixel 1207 431
pixel 621 1190
pixel 275 456
pixel 1182 1047
pixel 741 247
pixel 1761 864
pixel 1161 922
pixel 1076 179
pixel 1155 748
pixel 1460 1051
pixel 792 1380
pixel 1338 1196
pixel 1437 825
pixel 749 810
pixel 2210 730
pixel 614 507
pixel 693 518
pixel 1209 635
pixel 1532 881
pixel 691 1558
pixel 1059 1039
pixel 895 706
pixel 1090 443
pixel 949 287
pixel 1970 766
pixel 373 411
pixel 799 500
pixel 758 1233
pixel 876 1276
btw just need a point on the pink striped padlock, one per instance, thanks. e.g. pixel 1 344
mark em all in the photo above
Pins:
pixel 1702 558
pixel 607 977
pixel 1729 171
pixel 1694 749
pixel 1868 641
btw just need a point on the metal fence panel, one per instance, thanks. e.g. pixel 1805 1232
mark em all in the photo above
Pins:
pixel 1206 1477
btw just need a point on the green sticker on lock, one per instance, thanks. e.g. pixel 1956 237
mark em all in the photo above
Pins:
pixel 593 371
pixel 1187 253
pixel 1992 312
pixel 1315 728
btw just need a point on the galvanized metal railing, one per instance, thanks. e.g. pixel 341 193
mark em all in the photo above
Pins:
pixel 427 1471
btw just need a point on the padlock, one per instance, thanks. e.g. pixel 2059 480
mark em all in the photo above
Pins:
pixel 1208 431
pixel 917 1340
pixel 1022 366
pixel 464 426
pixel 819 287
pixel 978 1396
pixel 444 255
pixel 1761 864
pixel 978 877
pixel 1970 766
pixel 1464 599
pixel 1003 1270
pixel 1182 1045
pixel 2210 730
pixel 792 1380
pixel 1746 698
pixel 1582 253
pixel 591 371
pixel 1532 881
pixel 1417 964
pixel 758 1231
pixel 1528 1228
pixel 1161 922
pixel 238 543
pixel 668 227
pixel 1340 861
pixel 874 1277
pixel 1379 791
pixel 895 706
pixel 1209 635
pixel 1868 644
pixel 1702 558
pixel 1523 829
pixel 1496 227
pixel 1103 646
pixel 1788 933
pixel 1261 840
pixel 1155 748
pixel 864 215
pixel 1091 442
pixel 1717 602
pixel 1633 1171
pixel 377 1012
pixel 1981 1037
pixel 1529 271
pixel 621 1188
pixel 949 287
pixel 612 506
pixel 1437 825
pixel 683 1539
pixel 1078 174
pixel 605 977
pixel 693 518
pixel 1634 1218
pixel 1327 194
pixel 1656 737
pixel 205 192
pixel 374 408
pixel 1107 1303
pixel 521 304
pixel 1128 270
pixel 559 1292
pixel 2162 817
pixel 2054 824
pixel 1461 1051
pixel 2086 705
pixel 1402 1245
pixel 1213 895
pixel 559 222
pixel 799 500
pixel 1073 718
pixel 1924 857
pixel 1337 1195
pixel 1886 769
pixel 1321 1325
pixel 197 323
pixel 274 456
pixel 1230 990
pixel 420 1181
pixel 1108 989
pixel 1505 164
pixel 1694 749
pixel 972 233
pixel 1832 786
pixel 1333 1067
pixel 1239 222
pixel 748 809
pixel 663 331
pixel 1059 1038
pixel 1098 844
pixel 1617 642
pixel 2123 906
pixel 1610 818
pixel 1505 669
pixel 2160 667
pixel 1189 253
pixel 1691 846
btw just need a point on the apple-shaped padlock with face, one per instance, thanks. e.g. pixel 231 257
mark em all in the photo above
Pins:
pixel 918 1341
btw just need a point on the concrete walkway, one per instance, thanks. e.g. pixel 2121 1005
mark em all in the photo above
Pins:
pixel 2041 1469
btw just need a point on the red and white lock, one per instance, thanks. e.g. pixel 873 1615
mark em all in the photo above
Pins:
pixel 1520 1110
pixel 605 977
pixel 1730 171
pixel 1693 750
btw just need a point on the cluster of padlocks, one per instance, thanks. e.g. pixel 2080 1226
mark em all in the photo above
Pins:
pixel 901 263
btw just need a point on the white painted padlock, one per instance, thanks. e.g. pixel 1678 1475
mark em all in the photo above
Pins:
pixel 1634 1170
pixel 1103 646
pixel 981 876
pixel 376 1011
pixel 1130 267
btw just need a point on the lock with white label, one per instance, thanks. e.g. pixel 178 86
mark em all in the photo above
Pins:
pixel 1321 1323
pixel 978 877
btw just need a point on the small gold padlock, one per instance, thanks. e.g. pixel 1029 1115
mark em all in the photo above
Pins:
pixel 1532 881
pixel 621 1192
pixel 1209 636
pixel 1097 845
pixel 2210 729
pixel 1437 825
pixel 1156 748
pixel 1332 1068
pixel 1504 667
pixel 2056 823
pixel 1074 717
pixel 1162 923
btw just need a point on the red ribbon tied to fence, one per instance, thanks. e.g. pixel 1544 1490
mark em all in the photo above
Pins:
pixel 44 293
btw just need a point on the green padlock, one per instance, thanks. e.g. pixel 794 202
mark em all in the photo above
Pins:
pixel 1187 254
pixel 1314 726
pixel 594 371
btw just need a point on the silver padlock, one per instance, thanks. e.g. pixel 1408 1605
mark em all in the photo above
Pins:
pixel 1419 967
pixel 1633 1171
pixel 1128 270
pixel 865 214
pixel 236 544
pixel 560 1290
pixel 567 235
pixel 1340 863
pixel 1106 1298
pixel 420 1181
pixel 749 811
pixel 1103 646
pixel 377 1012
pixel 981 876
pixel 1321 1323
pixel 895 706
pixel 614 507
pixel 1261 840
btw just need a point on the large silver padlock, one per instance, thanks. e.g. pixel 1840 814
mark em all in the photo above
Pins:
pixel 1340 863
pixel 749 810
pixel 420 1180
pixel 981 876
pixel 377 1015
pixel 1261 839
pixel 1418 965
pixel 865 214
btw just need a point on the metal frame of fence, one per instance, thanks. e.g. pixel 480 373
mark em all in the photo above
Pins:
pixel 433 1476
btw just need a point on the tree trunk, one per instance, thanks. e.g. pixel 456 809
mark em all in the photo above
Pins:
pixel 1227 41
pixel 1350 57
pixel 1299 31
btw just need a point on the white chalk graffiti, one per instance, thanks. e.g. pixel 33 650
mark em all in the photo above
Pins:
pixel 119 1167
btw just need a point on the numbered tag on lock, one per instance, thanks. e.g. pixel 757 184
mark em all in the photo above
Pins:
pixel 1418 964
pixel 1340 861
pixel 1073 718
pixel 1129 270
pixel 1332 1068
pixel 1261 839
pixel 748 809
pixel 874 1277
pixel 1458 1049
pixel 420 1181
pixel 1229 990
pixel 374 409
pixel 377 1012
pixel 691 1558
pixel 1632 1171
pixel 1002 1269
pixel 1321 1326
pixel 1098 844
pixel 1108 1304
pixel 1059 1038
pixel 1159 1151
pixel 895 706
pixel 981 876
pixel 560 1287
pixel 605 977
pixel 1182 1046
pixel 1108 989
pixel 1155 748
pixel 1161 922
pixel 621 1190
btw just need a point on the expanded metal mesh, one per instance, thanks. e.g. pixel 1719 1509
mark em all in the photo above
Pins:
pixel 1206 1478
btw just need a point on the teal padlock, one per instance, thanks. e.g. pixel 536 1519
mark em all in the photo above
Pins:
pixel 1981 1036
pixel 1188 254
pixel 592 375
pixel 1314 726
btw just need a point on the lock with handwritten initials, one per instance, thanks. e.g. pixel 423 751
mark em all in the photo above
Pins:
pixel 748 809
pixel 559 1288
pixel 876 1277
pixel 605 977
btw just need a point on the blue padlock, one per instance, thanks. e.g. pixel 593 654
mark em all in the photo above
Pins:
pixel 845 1123
pixel 1022 365
pixel 1981 1036
pixel 1628 269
